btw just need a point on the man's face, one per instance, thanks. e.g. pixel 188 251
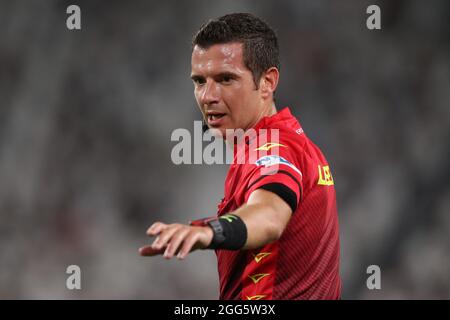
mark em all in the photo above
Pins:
pixel 224 87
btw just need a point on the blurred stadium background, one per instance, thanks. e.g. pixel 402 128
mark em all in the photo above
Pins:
pixel 86 118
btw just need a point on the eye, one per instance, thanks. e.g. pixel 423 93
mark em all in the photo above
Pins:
pixel 198 80
pixel 226 79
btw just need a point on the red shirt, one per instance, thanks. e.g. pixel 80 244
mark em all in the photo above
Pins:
pixel 304 262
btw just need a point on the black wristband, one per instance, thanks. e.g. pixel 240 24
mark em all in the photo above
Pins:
pixel 230 232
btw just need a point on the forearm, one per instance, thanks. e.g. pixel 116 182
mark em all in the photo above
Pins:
pixel 262 224
pixel 262 220
pixel 265 215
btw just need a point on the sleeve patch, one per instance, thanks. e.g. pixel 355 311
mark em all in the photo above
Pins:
pixel 272 160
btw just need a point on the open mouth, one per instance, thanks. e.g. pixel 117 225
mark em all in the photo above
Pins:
pixel 213 117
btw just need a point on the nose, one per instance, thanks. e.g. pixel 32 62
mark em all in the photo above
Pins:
pixel 210 94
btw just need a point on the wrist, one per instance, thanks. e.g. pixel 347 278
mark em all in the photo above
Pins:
pixel 218 237
pixel 227 232
pixel 209 236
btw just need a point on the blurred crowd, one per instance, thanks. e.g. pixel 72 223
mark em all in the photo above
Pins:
pixel 86 118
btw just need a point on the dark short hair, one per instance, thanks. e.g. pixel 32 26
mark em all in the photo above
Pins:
pixel 260 43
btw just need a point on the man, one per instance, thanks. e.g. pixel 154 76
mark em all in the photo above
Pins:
pixel 276 233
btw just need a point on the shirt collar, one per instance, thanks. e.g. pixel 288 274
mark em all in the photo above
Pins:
pixel 284 115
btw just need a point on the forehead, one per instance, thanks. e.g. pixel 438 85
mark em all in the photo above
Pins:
pixel 218 57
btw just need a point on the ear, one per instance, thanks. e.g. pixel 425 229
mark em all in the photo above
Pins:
pixel 269 82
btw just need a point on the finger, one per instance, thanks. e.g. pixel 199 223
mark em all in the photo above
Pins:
pixel 148 251
pixel 175 242
pixel 165 236
pixel 188 243
pixel 156 228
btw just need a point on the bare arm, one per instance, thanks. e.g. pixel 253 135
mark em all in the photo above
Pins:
pixel 265 215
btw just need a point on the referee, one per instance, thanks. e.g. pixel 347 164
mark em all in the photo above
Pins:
pixel 276 233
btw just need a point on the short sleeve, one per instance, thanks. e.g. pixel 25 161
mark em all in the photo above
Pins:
pixel 278 173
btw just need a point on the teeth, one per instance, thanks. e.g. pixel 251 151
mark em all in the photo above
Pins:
pixel 215 116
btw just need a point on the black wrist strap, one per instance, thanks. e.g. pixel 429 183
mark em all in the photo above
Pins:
pixel 218 234
pixel 230 232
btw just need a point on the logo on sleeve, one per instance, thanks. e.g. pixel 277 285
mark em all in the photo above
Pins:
pixel 325 177
pixel 268 146
pixel 272 160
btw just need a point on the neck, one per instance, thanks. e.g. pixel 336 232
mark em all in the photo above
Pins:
pixel 267 111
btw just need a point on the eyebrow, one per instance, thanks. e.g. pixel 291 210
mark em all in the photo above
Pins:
pixel 196 77
pixel 219 75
